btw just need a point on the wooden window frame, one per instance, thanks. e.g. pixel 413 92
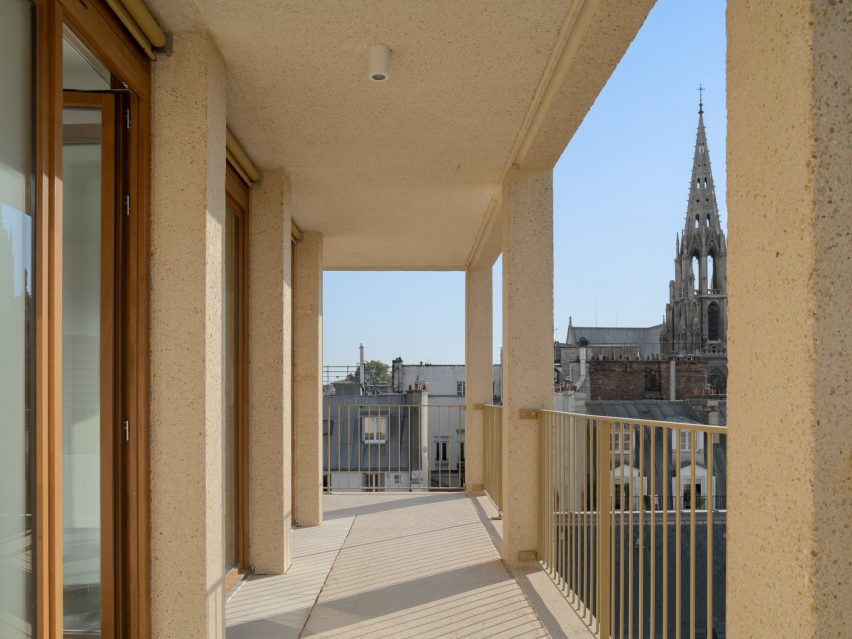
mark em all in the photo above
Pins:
pixel 98 28
pixel 238 196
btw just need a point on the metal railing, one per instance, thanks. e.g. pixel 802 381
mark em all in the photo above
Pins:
pixel 375 446
pixel 619 531
pixel 492 453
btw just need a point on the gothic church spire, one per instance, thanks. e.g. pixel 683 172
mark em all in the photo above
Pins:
pixel 701 211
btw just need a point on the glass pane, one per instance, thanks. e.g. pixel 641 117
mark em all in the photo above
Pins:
pixel 81 70
pixel 17 322
pixel 230 327
pixel 81 406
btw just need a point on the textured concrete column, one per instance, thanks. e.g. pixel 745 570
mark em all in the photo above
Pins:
pixel 478 369
pixel 790 334
pixel 270 374
pixel 527 239
pixel 307 390
pixel 188 213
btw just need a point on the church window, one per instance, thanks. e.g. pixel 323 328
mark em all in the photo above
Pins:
pixel 713 322
pixel 696 273
pixel 708 221
pixel 711 271
pixel 696 221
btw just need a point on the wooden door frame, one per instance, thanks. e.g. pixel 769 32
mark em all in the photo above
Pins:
pixel 237 195
pixel 96 26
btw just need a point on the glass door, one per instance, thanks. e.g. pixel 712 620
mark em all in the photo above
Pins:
pixel 88 351
pixel 17 322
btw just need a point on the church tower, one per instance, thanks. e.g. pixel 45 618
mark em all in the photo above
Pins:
pixel 697 312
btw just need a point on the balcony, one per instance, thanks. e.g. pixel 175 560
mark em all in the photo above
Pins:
pixel 401 565
pixel 623 547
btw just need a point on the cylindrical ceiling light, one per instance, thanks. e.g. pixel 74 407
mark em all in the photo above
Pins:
pixel 379 63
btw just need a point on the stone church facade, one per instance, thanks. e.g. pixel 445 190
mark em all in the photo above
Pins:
pixel 602 362
pixel 697 312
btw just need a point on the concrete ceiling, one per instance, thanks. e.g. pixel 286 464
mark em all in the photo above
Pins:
pixel 403 174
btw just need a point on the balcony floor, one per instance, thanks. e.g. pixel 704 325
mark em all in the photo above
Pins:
pixel 392 565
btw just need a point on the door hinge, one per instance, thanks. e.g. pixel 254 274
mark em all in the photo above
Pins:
pixel 125 426
pixel 127 118
pixel 127 205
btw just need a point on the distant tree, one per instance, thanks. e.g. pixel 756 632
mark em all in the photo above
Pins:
pixel 375 372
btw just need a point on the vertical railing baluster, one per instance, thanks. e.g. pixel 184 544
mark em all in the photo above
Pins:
pixel 641 567
pixel 667 451
pixel 678 504
pixel 692 500
pixel 709 508
pixel 632 481
pixel 621 499
pixel 594 544
pixel 653 584
pixel 562 537
pixel 569 421
pixel 603 600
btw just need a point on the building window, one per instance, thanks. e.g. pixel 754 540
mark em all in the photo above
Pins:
pixel 461 451
pixel 327 426
pixel 372 481
pixel 713 322
pixel 374 428
pixel 441 451
pixel 621 442
pixel 460 389
pixel 716 381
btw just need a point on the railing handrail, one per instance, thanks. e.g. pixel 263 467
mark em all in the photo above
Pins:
pixel 698 428
pixel 460 405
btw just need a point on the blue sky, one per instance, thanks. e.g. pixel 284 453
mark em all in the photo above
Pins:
pixel 620 193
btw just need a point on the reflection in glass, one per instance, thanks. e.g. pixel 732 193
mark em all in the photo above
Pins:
pixel 17 323
pixel 230 329
pixel 81 70
pixel 81 413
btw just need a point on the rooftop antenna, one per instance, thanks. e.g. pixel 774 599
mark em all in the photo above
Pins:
pixel 361 369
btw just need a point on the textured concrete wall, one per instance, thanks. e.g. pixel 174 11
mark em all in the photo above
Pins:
pixel 478 368
pixel 790 304
pixel 307 388
pixel 527 232
pixel 188 212
pixel 270 374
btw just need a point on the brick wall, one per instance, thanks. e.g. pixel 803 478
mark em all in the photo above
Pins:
pixel 630 380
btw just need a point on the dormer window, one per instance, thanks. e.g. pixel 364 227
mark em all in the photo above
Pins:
pixel 374 428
